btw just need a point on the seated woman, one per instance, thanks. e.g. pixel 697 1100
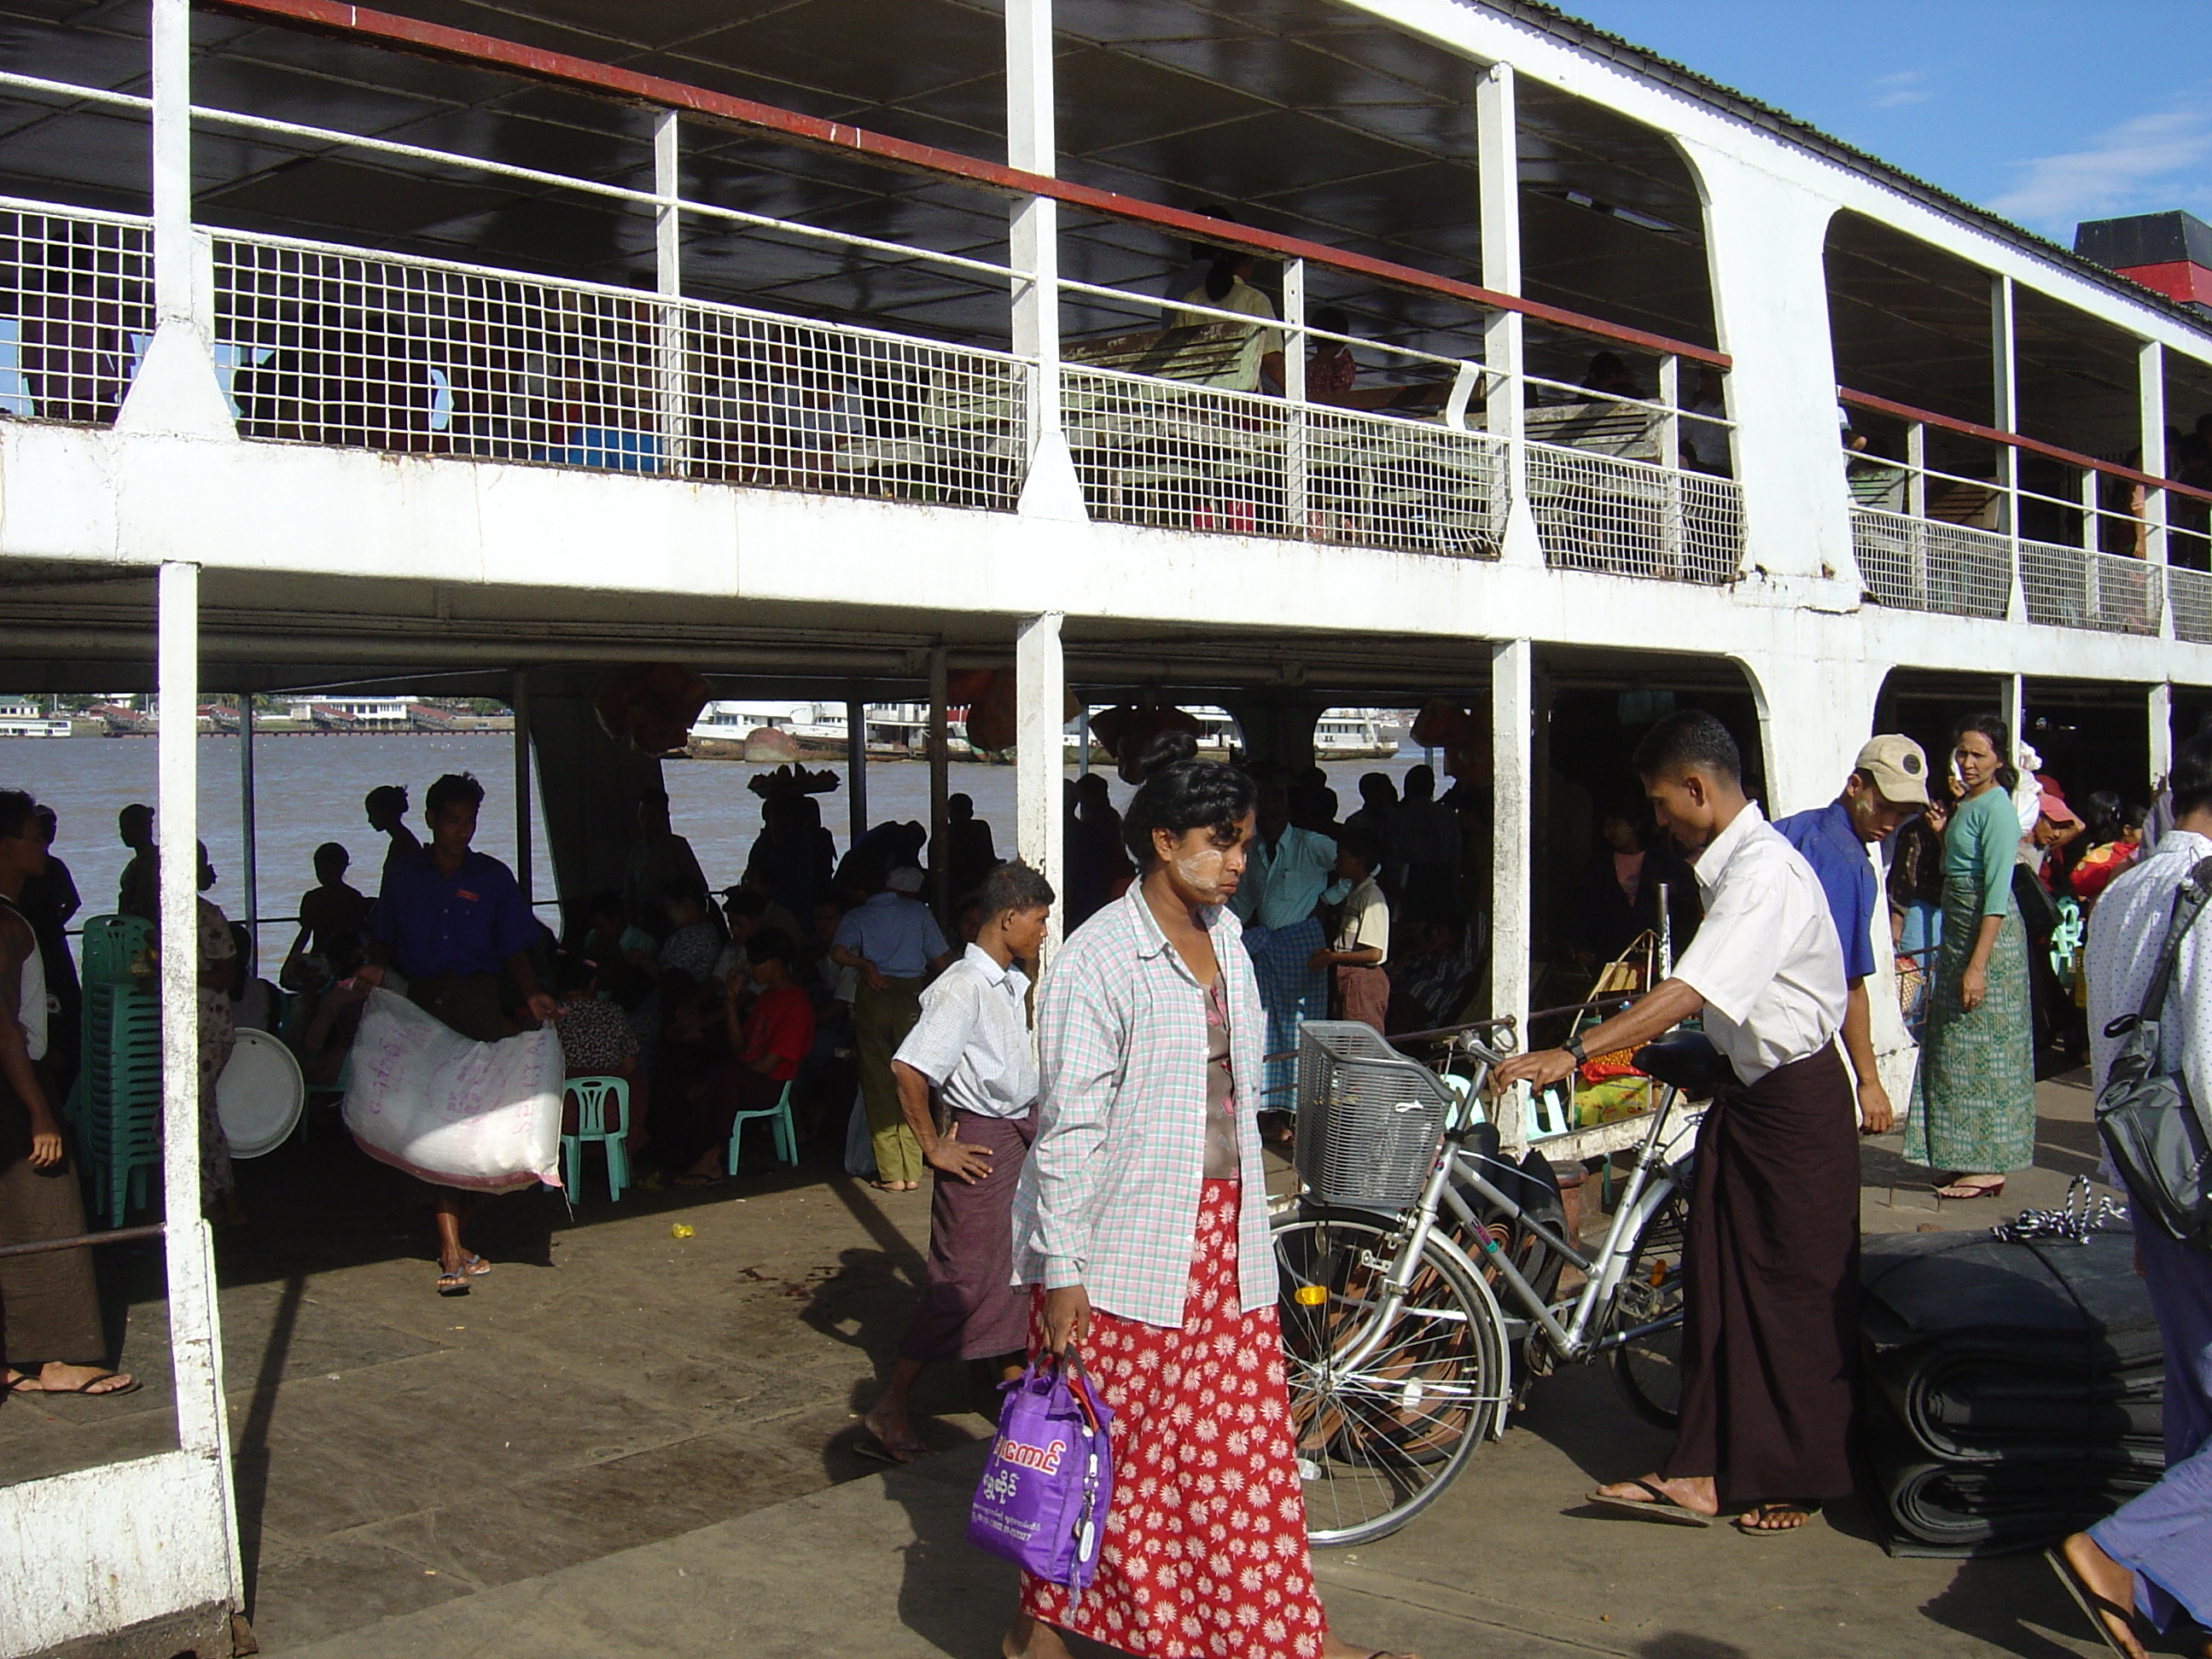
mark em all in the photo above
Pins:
pixel 768 1041
pixel 596 1040
pixel 327 1012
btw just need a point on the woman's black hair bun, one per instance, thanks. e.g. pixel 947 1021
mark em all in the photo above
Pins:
pixel 1167 749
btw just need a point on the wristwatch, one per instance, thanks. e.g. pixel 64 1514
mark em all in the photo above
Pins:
pixel 1574 1046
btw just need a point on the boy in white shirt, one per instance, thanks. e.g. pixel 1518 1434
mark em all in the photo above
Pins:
pixel 1355 955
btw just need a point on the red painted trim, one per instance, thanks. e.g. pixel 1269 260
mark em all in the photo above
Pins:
pixel 431 39
pixel 2032 445
pixel 2177 279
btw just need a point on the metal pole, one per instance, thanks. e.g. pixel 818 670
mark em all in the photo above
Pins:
pixel 176 257
pixel 1040 698
pixel 668 261
pixel 1512 735
pixel 940 786
pixel 2157 550
pixel 1497 181
pixel 523 821
pixel 1050 489
pixel 195 1339
pixel 856 770
pixel 1082 745
pixel 2005 415
pixel 248 861
pixel 2161 736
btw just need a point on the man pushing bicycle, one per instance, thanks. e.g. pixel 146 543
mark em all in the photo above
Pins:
pixel 1771 1257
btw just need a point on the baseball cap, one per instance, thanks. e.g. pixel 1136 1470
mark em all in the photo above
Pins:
pixel 2052 805
pixel 1897 767
pixel 905 879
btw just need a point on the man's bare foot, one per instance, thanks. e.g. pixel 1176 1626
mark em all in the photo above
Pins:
pixel 1693 1492
pixel 54 1377
pixel 894 1434
pixel 2108 1583
pixel 1032 1639
pixel 1776 1517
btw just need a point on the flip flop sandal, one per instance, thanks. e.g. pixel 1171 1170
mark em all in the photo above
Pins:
pixel 2094 1606
pixel 477 1265
pixel 89 1388
pixel 1808 1510
pixel 878 1450
pixel 1660 1507
pixel 1961 1192
pixel 455 1283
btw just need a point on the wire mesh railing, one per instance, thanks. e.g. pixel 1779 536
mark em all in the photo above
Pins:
pixel 77 312
pixel 328 345
pixel 1416 486
pixel 1597 511
pixel 2190 592
pixel 2072 588
pixel 1925 564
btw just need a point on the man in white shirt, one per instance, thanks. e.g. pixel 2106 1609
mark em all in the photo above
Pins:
pixel 971 1043
pixel 2154 1556
pixel 1770 1254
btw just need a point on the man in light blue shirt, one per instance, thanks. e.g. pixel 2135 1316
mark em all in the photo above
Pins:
pixel 1288 871
pixel 894 943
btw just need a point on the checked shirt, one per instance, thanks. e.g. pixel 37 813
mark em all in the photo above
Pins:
pixel 1109 1197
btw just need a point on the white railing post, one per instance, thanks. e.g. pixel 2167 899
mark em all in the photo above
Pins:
pixel 2013 690
pixel 2160 734
pixel 1050 489
pixel 195 1340
pixel 1670 459
pixel 1916 509
pixel 1040 710
pixel 2150 380
pixel 1294 398
pixel 2005 415
pixel 668 270
pixel 175 258
pixel 1497 179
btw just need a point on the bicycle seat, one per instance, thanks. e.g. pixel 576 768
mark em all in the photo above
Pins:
pixel 1689 1063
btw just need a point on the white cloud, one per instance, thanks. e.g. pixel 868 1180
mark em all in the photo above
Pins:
pixel 1905 87
pixel 2145 164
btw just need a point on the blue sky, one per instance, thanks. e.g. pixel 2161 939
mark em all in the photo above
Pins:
pixel 2048 111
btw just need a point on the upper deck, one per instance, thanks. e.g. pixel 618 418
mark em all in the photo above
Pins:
pixel 823 306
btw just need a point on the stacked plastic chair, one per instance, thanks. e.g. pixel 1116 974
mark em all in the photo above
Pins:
pixel 118 1099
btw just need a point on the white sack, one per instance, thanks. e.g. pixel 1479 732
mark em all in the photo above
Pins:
pixel 456 1112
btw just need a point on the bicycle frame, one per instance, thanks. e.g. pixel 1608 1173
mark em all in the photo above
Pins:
pixel 1661 1167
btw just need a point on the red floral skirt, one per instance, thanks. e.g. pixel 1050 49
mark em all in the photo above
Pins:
pixel 1204 1555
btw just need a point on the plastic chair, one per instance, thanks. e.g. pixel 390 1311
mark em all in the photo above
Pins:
pixel 591 1095
pixel 778 1117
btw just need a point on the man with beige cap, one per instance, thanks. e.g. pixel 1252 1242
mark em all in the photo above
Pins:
pixel 1887 788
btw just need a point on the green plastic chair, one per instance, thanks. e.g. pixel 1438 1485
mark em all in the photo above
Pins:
pixel 591 1095
pixel 778 1117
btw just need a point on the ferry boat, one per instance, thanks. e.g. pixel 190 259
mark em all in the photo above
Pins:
pixel 1356 736
pixel 872 431
pixel 21 718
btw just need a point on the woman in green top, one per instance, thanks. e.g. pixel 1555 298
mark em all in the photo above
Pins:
pixel 1974 1114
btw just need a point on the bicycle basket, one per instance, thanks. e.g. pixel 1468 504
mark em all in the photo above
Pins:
pixel 1370 1120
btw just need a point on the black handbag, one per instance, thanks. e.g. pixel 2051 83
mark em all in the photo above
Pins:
pixel 2158 1137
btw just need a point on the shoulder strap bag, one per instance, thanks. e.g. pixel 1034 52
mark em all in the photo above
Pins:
pixel 2158 1137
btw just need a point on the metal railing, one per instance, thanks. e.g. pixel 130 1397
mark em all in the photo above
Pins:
pixel 76 310
pixel 1599 512
pixel 2072 588
pixel 2190 592
pixel 1925 564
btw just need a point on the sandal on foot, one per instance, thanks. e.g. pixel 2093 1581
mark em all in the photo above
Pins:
pixel 878 1450
pixel 455 1283
pixel 476 1265
pixel 89 1388
pixel 2094 1608
pixel 1746 1524
pixel 1959 1192
pixel 1659 1507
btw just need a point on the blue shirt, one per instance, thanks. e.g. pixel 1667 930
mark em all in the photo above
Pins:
pixel 469 922
pixel 1281 886
pixel 1825 838
pixel 895 932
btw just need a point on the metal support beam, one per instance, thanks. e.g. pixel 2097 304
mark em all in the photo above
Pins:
pixel 249 873
pixel 2013 689
pixel 1498 183
pixel 856 771
pixel 523 824
pixel 668 268
pixel 195 1343
pixel 1512 729
pixel 2004 414
pixel 1040 709
pixel 2150 382
pixel 1051 489
pixel 940 787
pixel 2161 737
pixel 176 257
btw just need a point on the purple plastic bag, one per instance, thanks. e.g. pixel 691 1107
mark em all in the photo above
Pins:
pixel 1042 1502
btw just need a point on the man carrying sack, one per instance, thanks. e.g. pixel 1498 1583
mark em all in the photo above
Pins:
pixel 1771 1258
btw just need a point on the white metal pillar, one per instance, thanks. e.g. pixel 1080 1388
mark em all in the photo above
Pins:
pixel 1497 182
pixel 2150 381
pixel 2161 736
pixel 1040 711
pixel 1051 489
pixel 1295 447
pixel 668 267
pixel 1512 735
pixel 2013 688
pixel 2004 414
pixel 856 771
pixel 940 786
pixel 249 873
pixel 524 827
pixel 195 1340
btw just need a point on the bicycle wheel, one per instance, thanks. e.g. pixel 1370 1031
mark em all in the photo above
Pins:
pixel 1648 1369
pixel 1380 1439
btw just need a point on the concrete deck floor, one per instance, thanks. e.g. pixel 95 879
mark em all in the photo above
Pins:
pixel 628 1444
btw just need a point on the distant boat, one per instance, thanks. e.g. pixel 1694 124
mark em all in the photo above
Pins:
pixel 1354 736
pixel 122 722
pixel 426 717
pixel 818 730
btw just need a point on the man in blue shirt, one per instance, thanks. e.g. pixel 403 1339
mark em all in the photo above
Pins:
pixel 1288 871
pixel 894 943
pixel 451 919
pixel 1888 786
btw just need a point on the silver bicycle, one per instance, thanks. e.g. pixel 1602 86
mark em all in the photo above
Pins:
pixel 1413 1232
